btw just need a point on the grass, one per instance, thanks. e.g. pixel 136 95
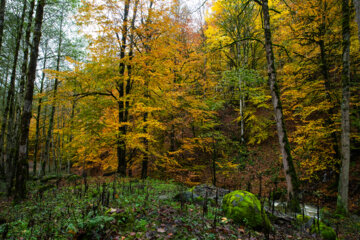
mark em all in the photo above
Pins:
pixel 121 208
pixel 111 209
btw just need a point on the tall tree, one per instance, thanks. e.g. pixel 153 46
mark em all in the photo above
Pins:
pixel 121 148
pixel 357 15
pixel 289 169
pixel 343 191
pixel 37 131
pixel 8 116
pixel 20 185
pixel 2 18
pixel 53 106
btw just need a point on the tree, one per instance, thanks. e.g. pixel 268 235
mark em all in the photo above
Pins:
pixel 2 17
pixel 343 191
pixel 288 165
pixel 20 185
pixel 357 15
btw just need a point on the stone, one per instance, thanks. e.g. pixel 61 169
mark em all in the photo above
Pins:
pixel 187 197
pixel 244 208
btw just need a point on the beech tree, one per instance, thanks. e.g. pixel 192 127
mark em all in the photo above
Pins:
pixel 21 169
pixel 343 191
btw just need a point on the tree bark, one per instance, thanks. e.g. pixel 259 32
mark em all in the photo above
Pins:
pixel 145 161
pixel 26 53
pixel 289 169
pixel 2 18
pixel 20 185
pixel 343 191
pixel 2 162
pixel 357 13
pixel 8 117
pixel 37 131
pixel 121 145
pixel 53 106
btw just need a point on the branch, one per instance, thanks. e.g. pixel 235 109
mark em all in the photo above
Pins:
pixel 240 40
pixel 82 95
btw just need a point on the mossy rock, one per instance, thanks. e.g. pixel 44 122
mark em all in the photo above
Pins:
pixel 326 232
pixel 244 208
pixel 302 220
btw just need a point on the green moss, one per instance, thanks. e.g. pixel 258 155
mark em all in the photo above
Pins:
pixel 244 207
pixel 326 232
pixel 302 220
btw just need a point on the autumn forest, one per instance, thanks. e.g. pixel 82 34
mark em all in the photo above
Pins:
pixel 179 119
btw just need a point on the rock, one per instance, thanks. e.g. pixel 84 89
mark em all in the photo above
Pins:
pixel 163 197
pixel 244 208
pixel 188 197
pixel 210 191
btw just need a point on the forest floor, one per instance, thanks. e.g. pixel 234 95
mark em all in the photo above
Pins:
pixel 112 208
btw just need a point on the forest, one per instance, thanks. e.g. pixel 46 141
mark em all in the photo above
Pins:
pixel 180 119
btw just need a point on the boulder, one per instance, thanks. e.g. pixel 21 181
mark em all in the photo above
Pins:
pixel 210 191
pixel 243 207
pixel 188 197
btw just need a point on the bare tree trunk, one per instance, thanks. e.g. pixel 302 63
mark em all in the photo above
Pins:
pixel 357 13
pixel 20 185
pixel 53 106
pixel 214 162
pixel 9 115
pixel 129 68
pixel 343 191
pixel 2 17
pixel 2 161
pixel 37 131
pixel 121 145
pixel 241 109
pixel 26 55
pixel 289 169
pixel 71 136
pixel 145 161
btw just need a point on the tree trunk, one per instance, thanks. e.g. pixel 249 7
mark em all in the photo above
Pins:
pixel 2 162
pixel 145 161
pixel 9 116
pixel 214 163
pixel 121 146
pixel 289 169
pixel 357 13
pixel 53 106
pixel 26 54
pixel 342 201
pixel 2 18
pixel 37 131
pixel 20 185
